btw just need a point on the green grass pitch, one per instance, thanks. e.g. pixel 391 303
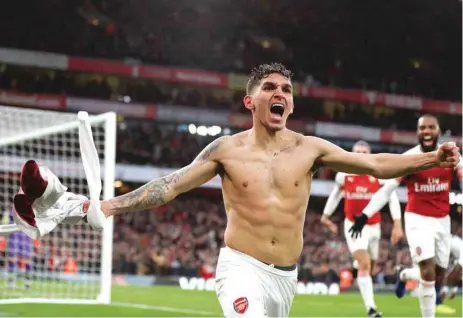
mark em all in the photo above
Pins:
pixel 160 301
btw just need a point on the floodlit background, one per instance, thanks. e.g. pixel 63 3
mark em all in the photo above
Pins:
pixel 175 73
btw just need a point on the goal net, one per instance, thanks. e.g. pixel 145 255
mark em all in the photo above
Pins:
pixel 72 264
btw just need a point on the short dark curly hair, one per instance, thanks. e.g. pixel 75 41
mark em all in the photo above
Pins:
pixel 427 115
pixel 264 70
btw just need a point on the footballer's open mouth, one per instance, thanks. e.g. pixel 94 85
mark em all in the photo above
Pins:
pixel 277 110
pixel 427 140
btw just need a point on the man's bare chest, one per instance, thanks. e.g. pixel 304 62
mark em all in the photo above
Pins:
pixel 256 170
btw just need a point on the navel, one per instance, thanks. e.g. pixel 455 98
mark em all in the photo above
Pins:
pixel 245 184
pixel 296 183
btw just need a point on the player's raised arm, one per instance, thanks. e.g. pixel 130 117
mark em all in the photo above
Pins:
pixel 382 166
pixel 162 190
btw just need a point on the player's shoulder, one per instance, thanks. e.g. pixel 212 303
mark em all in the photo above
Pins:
pixel 291 134
pixel 213 150
pixel 221 141
pixel 237 140
pixel 413 151
pixel 316 143
pixel 228 143
pixel 295 137
pixel 313 140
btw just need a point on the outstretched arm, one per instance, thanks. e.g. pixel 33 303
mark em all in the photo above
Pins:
pixel 163 190
pixel 382 166
pixel 382 196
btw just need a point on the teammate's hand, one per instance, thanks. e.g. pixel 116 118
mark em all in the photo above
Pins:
pixel 397 234
pixel 448 155
pixel 356 229
pixel 329 224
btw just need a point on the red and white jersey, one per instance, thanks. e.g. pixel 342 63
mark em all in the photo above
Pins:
pixel 358 190
pixel 428 191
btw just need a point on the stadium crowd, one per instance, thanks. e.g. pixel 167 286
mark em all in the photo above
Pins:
pixel 127 90
pixel 220 36
pixel 184 238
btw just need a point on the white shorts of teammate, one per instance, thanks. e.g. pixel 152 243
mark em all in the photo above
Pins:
pixel 428 237
pixel 369 240
pixel 456 249
pixel 247 287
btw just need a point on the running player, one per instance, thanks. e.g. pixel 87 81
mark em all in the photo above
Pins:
pixel 357 190
pixel 427 221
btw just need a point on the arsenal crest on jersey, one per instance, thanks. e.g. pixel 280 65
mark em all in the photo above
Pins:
pixel 241 305
pixel 418 251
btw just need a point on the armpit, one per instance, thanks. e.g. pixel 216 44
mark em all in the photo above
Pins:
pixel 317 165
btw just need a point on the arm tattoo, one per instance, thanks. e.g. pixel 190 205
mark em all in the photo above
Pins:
pixel 151 195
pixel 210 149
pixel 158 191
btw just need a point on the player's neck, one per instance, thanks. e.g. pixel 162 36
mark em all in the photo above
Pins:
pixel 265 137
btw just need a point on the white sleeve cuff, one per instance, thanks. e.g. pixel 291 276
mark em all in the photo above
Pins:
pixel 394 206
pixel 333 200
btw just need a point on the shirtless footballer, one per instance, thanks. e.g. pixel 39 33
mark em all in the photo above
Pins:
pixel 266 178
pixel 427 221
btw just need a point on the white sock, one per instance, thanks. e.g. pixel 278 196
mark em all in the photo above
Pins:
pixel 365 284
pixel 410 274
pixel 427 296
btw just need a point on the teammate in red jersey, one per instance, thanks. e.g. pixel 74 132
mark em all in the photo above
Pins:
pixel 427 221
pixel 357 191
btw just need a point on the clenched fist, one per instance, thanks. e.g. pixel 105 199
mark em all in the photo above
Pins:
pixel 448 155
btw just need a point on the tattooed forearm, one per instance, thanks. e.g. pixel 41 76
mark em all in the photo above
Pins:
pixel 162 190
pixel 151 195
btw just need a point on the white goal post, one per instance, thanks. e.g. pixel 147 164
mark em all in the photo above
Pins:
pixel 73 263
